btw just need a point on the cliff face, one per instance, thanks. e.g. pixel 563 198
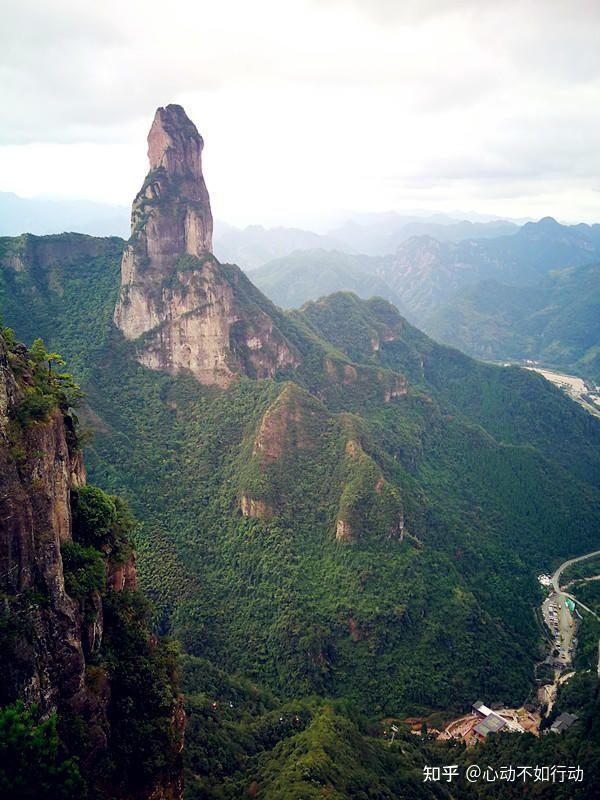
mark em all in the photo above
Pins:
pixel 37 471
pixel 298 441
pixel 52 633
pixel 183 308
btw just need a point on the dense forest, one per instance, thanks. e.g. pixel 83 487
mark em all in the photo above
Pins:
pixel 532 294
pixel 300 480
pixel 430 605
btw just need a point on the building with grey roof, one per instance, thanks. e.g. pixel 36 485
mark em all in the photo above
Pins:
pixel 563 722
pixel 491 724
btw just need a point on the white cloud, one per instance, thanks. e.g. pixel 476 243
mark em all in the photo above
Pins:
pixel 311 105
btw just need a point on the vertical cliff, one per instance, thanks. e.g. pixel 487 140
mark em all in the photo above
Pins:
pixel 183 309
pixel 38 468
pixel 72 626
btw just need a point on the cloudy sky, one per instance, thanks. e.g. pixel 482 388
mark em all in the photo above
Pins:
pixel 311 107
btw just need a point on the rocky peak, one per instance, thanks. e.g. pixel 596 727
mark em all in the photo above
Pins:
pixel 171 213
pixel 185 310
pixel 175 144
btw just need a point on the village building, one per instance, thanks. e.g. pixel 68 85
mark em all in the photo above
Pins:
pixel 493 723
pixel 563 722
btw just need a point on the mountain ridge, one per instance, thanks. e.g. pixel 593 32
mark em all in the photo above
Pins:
pixel 363 521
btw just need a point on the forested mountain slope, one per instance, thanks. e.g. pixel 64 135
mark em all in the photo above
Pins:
pixel 427 273
pixel 355 511
pixel 529 295
pixel 556 322
pixel 242 491
pixel 88 696
pixel 424 275
pixel 310 274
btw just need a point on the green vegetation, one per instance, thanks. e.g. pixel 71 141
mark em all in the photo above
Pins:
pixel 427 622
pixel 554 322
pixel 532 295
pixel 581 569
pixel 132 672
pixel 578 746
pixel 32 764
pixel 243 741
pixel 44 388
pixel 142 676
pixel 102 521
pixel 305 275
pixel 461 486
pixel 60 272
pixel 84 570
pixel 589 593
pixel 140 670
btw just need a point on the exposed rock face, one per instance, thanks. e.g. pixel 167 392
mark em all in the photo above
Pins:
pixel 382 384
pixel 369 505
pixel 254 508
pixel 46 636
pixel 287 441
pixel 50 252
pixel 35 513
pixel 184 309
pixel 122 575
pixel 343 531
pixel 286 424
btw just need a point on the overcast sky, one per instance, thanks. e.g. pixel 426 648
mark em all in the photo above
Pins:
pixel 310 107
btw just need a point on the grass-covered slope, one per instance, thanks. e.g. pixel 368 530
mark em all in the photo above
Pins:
pixel 367 526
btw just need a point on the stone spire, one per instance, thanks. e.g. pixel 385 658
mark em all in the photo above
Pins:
pixel 170 217
pixel 175 155
pixel 175 144
pixel 183 309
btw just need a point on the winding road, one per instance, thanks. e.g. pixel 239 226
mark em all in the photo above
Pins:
pixel 563 616
pixel 564 565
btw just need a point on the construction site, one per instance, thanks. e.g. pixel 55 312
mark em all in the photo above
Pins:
pixel 482 720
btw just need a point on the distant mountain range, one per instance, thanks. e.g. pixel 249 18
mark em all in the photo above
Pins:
pixel 556 322
pixel 309 274
pixel 341 521
pixel 381 236
pixel 41 216
pixel 531 294
pixel 460 280
pixel 371 235
pixel 426 273
pixel 253 246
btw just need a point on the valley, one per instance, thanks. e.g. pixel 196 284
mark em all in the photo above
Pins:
pixel 560 613
pixel 528 297
pixel 300 400
pixel 562 620
pixel 338 517
pixel 583 392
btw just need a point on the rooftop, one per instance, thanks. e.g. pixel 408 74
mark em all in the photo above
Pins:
pixel 563 722
pixel 491 724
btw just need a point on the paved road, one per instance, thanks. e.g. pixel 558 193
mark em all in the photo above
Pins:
pixel 562 622
pixel 565 564
pixel 581 605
